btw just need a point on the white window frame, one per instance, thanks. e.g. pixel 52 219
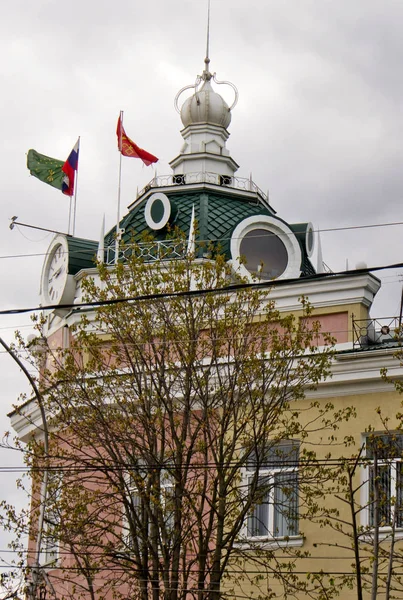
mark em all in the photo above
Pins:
pixel 50 541
pixel 135 499
pixel 167 491
pixel 166 483
pixel 392 463
pixel 271 472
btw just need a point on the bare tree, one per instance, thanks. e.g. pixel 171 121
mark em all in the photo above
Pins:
pixel 178 442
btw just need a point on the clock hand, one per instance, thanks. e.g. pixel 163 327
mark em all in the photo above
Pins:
pixel 55 274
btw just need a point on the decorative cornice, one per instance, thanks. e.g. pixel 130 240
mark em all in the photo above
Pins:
pixel 339 291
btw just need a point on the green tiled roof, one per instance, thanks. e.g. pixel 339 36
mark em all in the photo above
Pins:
pixel 224 216
pixel 217 214
pixel 82 254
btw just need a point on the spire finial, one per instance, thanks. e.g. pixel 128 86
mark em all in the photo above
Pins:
pixel 206 72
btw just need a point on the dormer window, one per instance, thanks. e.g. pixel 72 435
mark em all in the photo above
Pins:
pixel 264 253
pixel 266 248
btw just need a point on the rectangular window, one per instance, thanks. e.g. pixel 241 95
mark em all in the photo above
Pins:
pixel 385 479
pixel 167 499
pixel 135 521
pixel 52 520
pixel 151 501
pixel 275 512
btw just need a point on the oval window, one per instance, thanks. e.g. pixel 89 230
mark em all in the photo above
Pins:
pixel 264 253
pixel 157 211
pixel 309 240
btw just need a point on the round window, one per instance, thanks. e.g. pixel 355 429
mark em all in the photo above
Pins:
pixel 157 211
pixel 264 253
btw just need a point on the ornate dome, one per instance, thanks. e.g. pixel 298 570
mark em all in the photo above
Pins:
pixel 206 106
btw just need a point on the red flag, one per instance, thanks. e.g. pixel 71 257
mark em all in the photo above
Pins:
pixel 128 148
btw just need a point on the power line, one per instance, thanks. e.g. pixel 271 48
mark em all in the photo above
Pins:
pixel 224 239
pixel 123 467
pixel 396 278
pixel 95 554
pixel 122 570
pixel 194 293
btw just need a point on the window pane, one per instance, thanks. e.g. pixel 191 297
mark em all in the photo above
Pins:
pixel 169 506
pixel 265 253
pixel 384 481
pixel 388 450
pixel 136 501
pixel 276 509
pixel 283 454
pixel 385 446
pixel 135 510
pixel 285 504
pixel 258 518
pixel 52 517
pixel 399 494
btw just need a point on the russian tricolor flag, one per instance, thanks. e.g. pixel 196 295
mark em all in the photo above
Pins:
pixel 70 168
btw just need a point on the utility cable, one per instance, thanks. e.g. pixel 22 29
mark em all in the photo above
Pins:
pixel 195 293
pixel 213 240
pixel 102 468
pixel 124 571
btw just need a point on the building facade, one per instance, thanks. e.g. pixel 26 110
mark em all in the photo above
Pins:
pixel 204 209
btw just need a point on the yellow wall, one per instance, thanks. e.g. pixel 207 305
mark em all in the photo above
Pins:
pixel 324 544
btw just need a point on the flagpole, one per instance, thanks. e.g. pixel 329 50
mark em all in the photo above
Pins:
pixel 119 185
pixel 68 228
pixel 75 193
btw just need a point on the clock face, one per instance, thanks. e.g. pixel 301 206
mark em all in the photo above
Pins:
pixel 55 282
pixel 56 274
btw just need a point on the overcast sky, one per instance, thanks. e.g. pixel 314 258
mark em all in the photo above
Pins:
pixel 319 122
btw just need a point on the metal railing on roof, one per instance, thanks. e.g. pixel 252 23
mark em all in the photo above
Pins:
pixel 227 181
pixel 326 268
pixel 148 251
pixel 386 331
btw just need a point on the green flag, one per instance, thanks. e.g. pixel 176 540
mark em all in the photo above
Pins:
pixel 48 170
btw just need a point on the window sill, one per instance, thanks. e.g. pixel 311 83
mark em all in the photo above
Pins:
pixel 385 534
pixel 51 564
pixel 264 543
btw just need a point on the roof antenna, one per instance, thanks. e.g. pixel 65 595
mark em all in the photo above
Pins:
pixel 207 59
pixel 206 75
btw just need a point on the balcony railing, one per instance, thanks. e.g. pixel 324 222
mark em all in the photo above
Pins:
pixel 387 331
pixel 148 251
pixel 238 183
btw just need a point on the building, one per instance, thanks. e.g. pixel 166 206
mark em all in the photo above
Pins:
pixel 235 217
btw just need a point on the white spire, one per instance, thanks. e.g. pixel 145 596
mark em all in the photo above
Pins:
pixel 101 245
pixel 192 233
